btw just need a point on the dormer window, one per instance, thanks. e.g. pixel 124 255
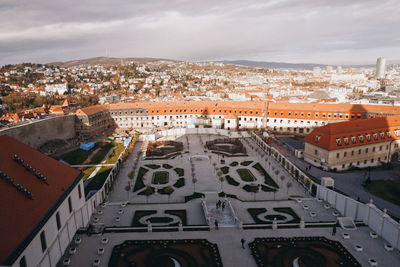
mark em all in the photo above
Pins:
pixel 338 141
pixel 368 137
pixel 382 134
pixel 397 132
pixel 353 139
pixel 388 134
pixel 316 138
pixel 375 136
pixel 361 138
pixel 346 140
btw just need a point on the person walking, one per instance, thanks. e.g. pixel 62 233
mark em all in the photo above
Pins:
pixel 223 205
pixel 334 230
pixel 242 241
pixel 216 225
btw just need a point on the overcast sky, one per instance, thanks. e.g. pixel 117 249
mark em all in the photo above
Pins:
pixel 318 31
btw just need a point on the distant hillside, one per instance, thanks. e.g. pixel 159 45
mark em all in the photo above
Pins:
pixel 105 61
pixel 272 65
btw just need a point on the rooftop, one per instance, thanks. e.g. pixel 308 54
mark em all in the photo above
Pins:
pixel 16 208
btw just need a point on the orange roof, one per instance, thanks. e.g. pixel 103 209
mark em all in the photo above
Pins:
pixel 249 108
pixel 21 215
pixel 341 135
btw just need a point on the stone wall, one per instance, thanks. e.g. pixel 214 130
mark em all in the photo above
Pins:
pixel 36 133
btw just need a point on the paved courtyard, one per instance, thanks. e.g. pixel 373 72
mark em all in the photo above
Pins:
pixel 251 199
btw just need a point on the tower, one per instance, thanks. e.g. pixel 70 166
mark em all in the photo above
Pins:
pixel 380 68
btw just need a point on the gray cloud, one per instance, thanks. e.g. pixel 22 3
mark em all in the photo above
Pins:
pixel 323 31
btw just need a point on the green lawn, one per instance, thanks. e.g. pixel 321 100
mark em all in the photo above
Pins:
pixel 77 156
pixel 87 172
pixel 99 156
pixel 246 175
pixel 160 178
pixel 115 154
pixel 388 190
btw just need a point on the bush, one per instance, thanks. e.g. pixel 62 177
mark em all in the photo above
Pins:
pixel 225 170
pixel 147 192
pixel 246 163
pixel 168 190
pixel 233 164
pixel 180 183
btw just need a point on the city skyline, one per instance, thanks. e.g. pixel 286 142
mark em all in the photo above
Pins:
pixel 278 31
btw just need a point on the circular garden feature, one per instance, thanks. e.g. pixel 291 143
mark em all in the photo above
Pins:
pixel 301 251
pixel 166 253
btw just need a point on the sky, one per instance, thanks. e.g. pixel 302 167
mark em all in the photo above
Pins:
pixel 336 32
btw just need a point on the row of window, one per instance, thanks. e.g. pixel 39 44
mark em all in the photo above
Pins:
pixel 359 152
pixel 363 137
pixel 43 240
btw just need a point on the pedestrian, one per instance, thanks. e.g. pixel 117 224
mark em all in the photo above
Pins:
pixel 334 230
pixel 216 225
pixel 243 241
pixel 223 205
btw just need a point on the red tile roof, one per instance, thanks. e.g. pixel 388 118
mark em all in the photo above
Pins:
pixel 341 135
pixel 213 107
pixel 19 214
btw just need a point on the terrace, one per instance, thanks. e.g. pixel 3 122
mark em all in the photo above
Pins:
pixel 163 200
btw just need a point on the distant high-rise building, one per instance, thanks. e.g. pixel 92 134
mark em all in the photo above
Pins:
pixel 380 68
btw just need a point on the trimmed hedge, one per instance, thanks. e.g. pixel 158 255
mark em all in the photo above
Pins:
pixel 246 163
pixel 223 194
pixel 194 196
pixel 180 183
pixel 180 213
pixel 179 171
pixel 267 179
pixel 231 181
pixel 167 166
pixel 139 179
pixel 153 166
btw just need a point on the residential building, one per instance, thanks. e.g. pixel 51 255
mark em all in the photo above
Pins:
pixel 354 144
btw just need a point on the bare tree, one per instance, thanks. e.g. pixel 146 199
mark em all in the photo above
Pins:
pixel 282 179
pixel 194 180
pixel 288 185
pixel 222 179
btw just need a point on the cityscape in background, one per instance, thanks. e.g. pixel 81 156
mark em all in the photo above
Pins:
pixel 261 133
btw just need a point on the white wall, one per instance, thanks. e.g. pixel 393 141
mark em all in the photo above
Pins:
pixel 56 240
